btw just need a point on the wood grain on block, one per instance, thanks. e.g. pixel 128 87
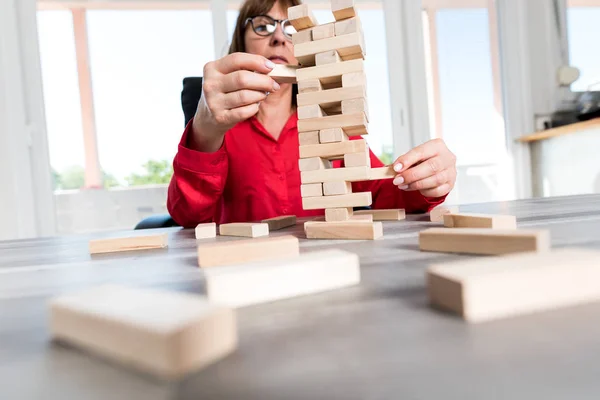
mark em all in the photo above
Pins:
pixel 311 190
pixel 354 106
pixel 244 229
pixel 437 214
pixel 330 73
pixel 313 164
pixel 327 57
pixel 331 97
pixel 354 174
pixel 480 221
pixel 485 289
pixel 343 9
pixel 306 61
pixel 131 243
pixel 205 231
pixel 384 215
pixel 332 135
pixel 277 223
pixel 309 86
pixel 284 73
pixel 235 252
pixel 301 17
pixel 345 27
pixel 337 188
pixel 333 150
pixel 347 200
pixel 355 79
pixel 312 111
pixel 346 45
pixel 323 31
pixel 362 217
pixel 338 214
pixel 352 124
pixel 254 283
pixel 308 138
pixel 361 159
pixel 483 241
pixel 165 334
pixel 382 173
pixel 302 36
pixel 351 230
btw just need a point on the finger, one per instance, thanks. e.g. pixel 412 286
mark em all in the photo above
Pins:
pixel 426 169
pixel 437 192
pixel 242 98
pixel 432 182
pixel 419 153
pixel 241 80
pixel 241 113
pixel 243 61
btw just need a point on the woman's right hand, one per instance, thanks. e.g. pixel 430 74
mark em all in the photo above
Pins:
pixel 232 90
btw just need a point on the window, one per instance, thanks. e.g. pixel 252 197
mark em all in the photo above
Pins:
pixel 583 33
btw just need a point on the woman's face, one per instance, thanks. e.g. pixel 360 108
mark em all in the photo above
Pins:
pixel 275 47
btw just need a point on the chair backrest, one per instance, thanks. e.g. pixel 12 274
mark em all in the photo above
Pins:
pixel 190 96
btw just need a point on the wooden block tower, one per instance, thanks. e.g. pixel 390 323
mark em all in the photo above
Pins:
pixel 332 106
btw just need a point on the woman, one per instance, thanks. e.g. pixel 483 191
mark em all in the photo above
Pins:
pixel 238 158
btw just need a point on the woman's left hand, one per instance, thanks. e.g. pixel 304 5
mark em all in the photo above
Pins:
pixel 429 168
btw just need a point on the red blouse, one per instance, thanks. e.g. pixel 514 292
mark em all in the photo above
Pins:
pixel 254 177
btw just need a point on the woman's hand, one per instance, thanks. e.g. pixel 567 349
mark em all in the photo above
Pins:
pixel 429 168
pixel 232 90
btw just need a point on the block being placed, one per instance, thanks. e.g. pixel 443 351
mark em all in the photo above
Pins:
pixel 483 241
pixel 347 200
pixel 254 283
pixel 338 214
pixel 332 135
pixel 333 150
pixel 337 188
pixel 313 164
pixel 284 73
pixel 277 223
pixel 323 31
pixel 480 221
pixel 132 243
pixel 437 214
pixel 205 231
pixel 308 138
pixel 361 159
pixel 165 334
pixel 354 174
pixel 301 17
pixel 244 229
pixel 485 289
pixel 343 9
pixel 384 215
pixel 352 124
pixel 351 230
pixel 382 173
pixel 311 190
pixel 239 251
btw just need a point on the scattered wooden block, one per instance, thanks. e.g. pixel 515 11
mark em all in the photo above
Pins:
pixel 309 86
pixel 337 188
pixel 278 223
pixel 205 231
pixel 437 214
pixel 333 150
pixel 312 111
pixel 343 9
pixel 248 250
pixel 361 159
pixel 347 200
pixel 114 245
pixel 382 173
pixel 332 135
pixel 302 36
pixel 338 214
pixel 313 164
pixel 352 124
pixel 244 229
pixel 311 190
pixel 162 333
pixel 354 106
pixel 284 73
pixel 353 79
pixel 308 138
pixel 323 31
pixel 354 174
pixel 384 215
pixel 485 289
pixel 483 241
pixel 331 97
pixel 327 57
pixel 348 46
pixel 347 26
pixel 480 221
pixel 330 73
pixel 301 17
pixel 351 230
pixel 254 283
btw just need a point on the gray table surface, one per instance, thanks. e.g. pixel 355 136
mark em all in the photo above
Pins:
pixel 377 340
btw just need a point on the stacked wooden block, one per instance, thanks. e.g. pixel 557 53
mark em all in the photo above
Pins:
pixel 332 107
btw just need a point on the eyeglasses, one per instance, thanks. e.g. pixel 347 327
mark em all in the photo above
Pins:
pixel 263 25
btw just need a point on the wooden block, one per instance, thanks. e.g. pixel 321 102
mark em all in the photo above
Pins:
pixel 330 73
pixel 205 231
pixel 313 164
pixel 338 214
pixel 485 289
pixel 351 230
pixel 333 150
pixel 308 138
pixel 362 218
pixel 354 106
pixel 323 31
pixel 330 97
pixel 254 283
pixel 332 135
pixel 346 45
pixel 306 61
pixel 352 124
pixel 361 159
pixel 327 57
pixel 483 241
pixel 244 229
pixel 384 215
pixel 309 86
pixel 480 221
pixel 284 73
pixel 347 26
pixel 312 111
pixel 347 200
pixel 247 250
pixel 343 9
pixel 353 79
pixel 382 173
pixel 355 174
pixel 437 214
pixel 301 17
pixel 311 190
pixel 165 334
pixel 302 36
pixel 337 188
pixel 114 245
pixel 277 223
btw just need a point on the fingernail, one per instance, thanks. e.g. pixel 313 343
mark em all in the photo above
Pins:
pixel 270 64
pixel 398 180
pixel 267 93
pixel 276 85
pixel 398 167
pixel 403 187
